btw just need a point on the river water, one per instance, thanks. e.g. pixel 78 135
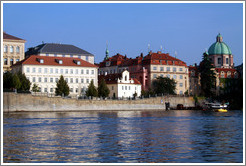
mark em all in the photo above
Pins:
pixel 123 137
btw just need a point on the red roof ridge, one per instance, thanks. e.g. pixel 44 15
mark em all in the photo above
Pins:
pixel 50 61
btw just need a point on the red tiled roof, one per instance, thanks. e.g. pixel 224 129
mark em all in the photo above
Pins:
pixel 51 61
pixel 164 59
pixel 10 37
pixel 114 60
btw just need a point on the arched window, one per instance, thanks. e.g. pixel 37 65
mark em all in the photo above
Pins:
pixel 11 49
pixel 17 49
pixel 5 61
pixel 235 75
pixel 11 61
pixel 5 48
pixel 222 74
pixel 228 74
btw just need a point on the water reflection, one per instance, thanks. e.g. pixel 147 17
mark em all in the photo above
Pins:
pixel 124 136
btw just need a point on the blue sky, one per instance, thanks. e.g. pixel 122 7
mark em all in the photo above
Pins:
pixel 187 28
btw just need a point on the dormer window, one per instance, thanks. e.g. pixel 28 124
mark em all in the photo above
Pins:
pixel 108 63
pixel 77 62
pixel 59 61
pixel 40 60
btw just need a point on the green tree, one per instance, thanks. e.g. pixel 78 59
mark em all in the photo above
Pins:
pixel 16 82
pixel 62 87
pixel 103 90
pixel 25 83
pixel 35 88
pixel 207 76
pixel 164 85
pixel 8 80
pixel 91 91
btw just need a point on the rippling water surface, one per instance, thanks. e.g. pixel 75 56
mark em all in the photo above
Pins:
pixel 124 136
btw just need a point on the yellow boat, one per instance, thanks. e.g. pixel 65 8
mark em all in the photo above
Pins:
pixel 221 110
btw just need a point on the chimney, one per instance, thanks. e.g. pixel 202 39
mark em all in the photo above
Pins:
pixel 158 52
pixel 141 55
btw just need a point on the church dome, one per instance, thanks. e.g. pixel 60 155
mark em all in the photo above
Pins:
pixel 219 47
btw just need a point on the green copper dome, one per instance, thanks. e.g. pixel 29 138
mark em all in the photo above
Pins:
pixel 219 47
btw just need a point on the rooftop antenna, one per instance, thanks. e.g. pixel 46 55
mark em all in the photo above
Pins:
pixel 161 48
pixel 175 53
pixel 148 47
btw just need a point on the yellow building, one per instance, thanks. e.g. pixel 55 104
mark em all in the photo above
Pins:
pixel 13 50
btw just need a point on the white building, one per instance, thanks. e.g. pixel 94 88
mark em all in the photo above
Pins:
pixel 60 50
pixel 121 85
pixel 45 71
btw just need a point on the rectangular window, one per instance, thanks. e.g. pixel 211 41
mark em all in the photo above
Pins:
pixel 181 76
pixel 154 68
pixel 122 87
pixel 125 87
pixel 155 75
pixel 168 68
pixel 34 70
pixel 87 81
pixel 47 55
pixel 162 69
pixel 39 70
pixel 45 89
pixel 51 90
pixel 82 71
pixel 71 89
pixel 33 79
pixel 87 58
pixel 61 71
pixel 51 79
pixel 180 84
pixel 51 70
pixel 71 80
pixel 129 88
pixel 219 60
pixel 77 80
pixel 56 79
pixel 82 80
pixel 87 71
pixel 76 71
pixel 180 69
pixel 92 72
pixel 27 69
pixel 174 69
pixel 56 70
pixel 45 80
pixel 227 60
pixel 5 61
pixel 67 80
pixel 45 70
pixel 71 71
pixel 39 79
pixel 66 71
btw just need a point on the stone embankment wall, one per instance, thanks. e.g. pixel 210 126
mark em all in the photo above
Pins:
pixel 26 102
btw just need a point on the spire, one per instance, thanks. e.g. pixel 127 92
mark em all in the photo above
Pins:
pixel 106 56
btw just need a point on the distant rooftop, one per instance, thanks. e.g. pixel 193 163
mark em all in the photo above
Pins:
pixel 55 48
pixel 10 37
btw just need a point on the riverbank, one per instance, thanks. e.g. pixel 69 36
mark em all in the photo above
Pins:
pixel 13 102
